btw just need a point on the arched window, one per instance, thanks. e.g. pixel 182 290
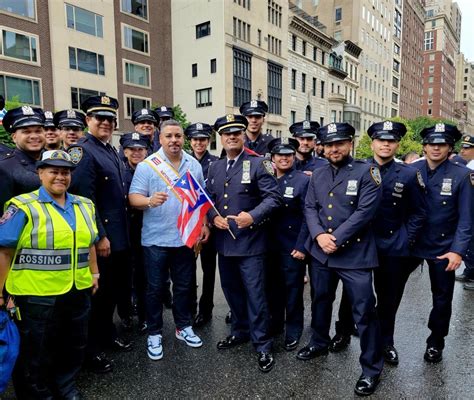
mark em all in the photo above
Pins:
pixel 308 113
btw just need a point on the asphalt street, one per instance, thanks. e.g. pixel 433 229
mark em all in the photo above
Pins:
pixel 185 372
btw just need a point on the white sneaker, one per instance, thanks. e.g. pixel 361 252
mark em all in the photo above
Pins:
pixel 154 347
pixel 187 334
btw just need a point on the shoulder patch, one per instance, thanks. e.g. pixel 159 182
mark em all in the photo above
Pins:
pixel 76 154
pixel 8 214
pixel 420 179
pixel 375 174
pixel 471 176
pixel 268 166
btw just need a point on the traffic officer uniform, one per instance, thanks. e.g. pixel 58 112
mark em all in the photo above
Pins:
pixel 288 232
pixel 397 226
pixel 18 167
pixel 99 176
pixel 247 186
pixel 341 201
pixel 307 129
pixel 208 251
pixel 259 145
pixel 447 229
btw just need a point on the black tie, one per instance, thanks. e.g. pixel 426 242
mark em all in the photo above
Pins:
pixel 230 163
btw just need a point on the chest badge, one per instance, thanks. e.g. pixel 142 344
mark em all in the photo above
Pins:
pixel 245 171
pixel 398 189
pixel 289 192
pixel 76 154
pixel 351 188
pixel 446 187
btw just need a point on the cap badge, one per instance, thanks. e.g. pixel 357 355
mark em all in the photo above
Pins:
pixel 48 115
pixel 27 110
pixel 163 108
pixel 135 136
pixel 230 118
pixel 105 100
pixel 199 126
pixel 71 114
pixel 467 138
pixel 253 103
pixel 284 140
pixel 387 126
pixel 440 128
pixel 59 155
pixel 306 125
pixel 332 128
pixel 144 111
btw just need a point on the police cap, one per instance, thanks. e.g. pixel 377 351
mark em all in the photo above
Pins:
pixel 254 107
pixel 467 141
pixel 441 133
pixel 307 129
pixel 165 112
pixel 134 140
pixel 49 120
pixel 198 130
pixel 230 123
pixel 22 117
pixel 336 132
pixel 55 158
pixel 145 114
pixel 283 145
pixel 70 118
pixel 387 130
pixel 104 106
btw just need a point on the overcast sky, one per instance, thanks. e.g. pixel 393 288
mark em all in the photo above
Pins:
pixel 467 28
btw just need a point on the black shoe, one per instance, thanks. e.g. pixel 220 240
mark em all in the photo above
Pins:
pixel 265 361
pixel 433 354
pixel 201 320
pixel 230 341
pixel 390 354
pixel 310 352
pixel 121 344
pixel 127 324
pixel 366 385
pixel 339 342
pixel 99 364
pixel 228 317
pixel 291 344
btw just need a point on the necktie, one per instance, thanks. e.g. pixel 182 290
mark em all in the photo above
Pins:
pixel 230 163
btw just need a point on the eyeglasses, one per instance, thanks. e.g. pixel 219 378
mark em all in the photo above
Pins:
pixel 102 118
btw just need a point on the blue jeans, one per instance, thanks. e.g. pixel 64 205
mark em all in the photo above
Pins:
pixel 160 262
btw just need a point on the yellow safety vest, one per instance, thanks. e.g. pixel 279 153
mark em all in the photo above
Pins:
pixel 50 257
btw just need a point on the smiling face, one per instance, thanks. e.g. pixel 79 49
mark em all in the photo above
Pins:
pixel 199 145
pixel 30 139
pixel 101 127
pixel 255 123
pixel 384 149
pixel 337 152
pixel 55 180
pixel 437 152
pixel 135 155
pixel 233 142
pixel 283 162
pixel 467 153
pixel 70 135
pixel 172 140
pixel 145 127
pixel 52 136
pixel 306 145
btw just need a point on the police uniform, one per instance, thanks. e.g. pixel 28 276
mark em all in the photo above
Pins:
pixel 49 120
pixel 288 232
pixel 397 226
pixel 446 229
pixel 4 150
pixel 69 119
pixel 259 145
pixel 18 167
pixel 342 201
pixel 247 186
pixel 51 291
pixel 100 176
pixel 144 114
pixel 307 129
pixel 208 251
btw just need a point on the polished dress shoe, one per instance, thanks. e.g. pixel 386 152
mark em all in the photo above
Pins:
pixel 201 320
pixel 228 317
pixel 366 385
pixel 230 341
pixel 121 344
pixel 291 344
pixel 99 364
pixel 339 342
pixel 433 354
pixel 265 361
pixel 390 354
pixel 310 352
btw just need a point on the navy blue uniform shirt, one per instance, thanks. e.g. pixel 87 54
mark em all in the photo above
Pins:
pixel 206 160
pixel 260 145
pixel 310 164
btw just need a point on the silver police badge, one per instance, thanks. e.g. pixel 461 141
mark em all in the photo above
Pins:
pixel 163 108
pixel 27 110
pixel 332 128
pixel 48 114
pixel 135 136
pixel 398 189
pixel 245 172
pixel 446 187
pixel 351 187
pixel 289 192
pixel 284 140
pixel 387 126
pixel 71 114
pixel 144 111
pixel 440 127
pixel 253 103
pixel 199 126
pixel 306 125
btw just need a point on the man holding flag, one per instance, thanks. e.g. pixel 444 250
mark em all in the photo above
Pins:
pixel 167 186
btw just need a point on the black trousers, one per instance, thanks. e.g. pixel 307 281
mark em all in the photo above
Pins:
pixel 53 333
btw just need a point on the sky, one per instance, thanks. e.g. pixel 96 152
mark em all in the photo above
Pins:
pixel 467 28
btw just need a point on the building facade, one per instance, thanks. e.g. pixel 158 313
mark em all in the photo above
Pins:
pixel 464 101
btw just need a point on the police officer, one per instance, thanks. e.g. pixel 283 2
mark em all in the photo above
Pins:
pixel 145 122
pixel 18 168
pixel 342 199
pixel 305 133
pixel 245 193
pixel 71 124
pixel 288 234
pixel 164 113
pixel 99 176
pixel 51 133
pixel 397 226
pixel 447 230
pixel 135 148
pixel 255 139
pixel 199 135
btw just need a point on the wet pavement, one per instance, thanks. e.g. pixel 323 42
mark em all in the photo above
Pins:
pixel 205 372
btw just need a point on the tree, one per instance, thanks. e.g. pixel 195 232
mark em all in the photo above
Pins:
pixel 5 137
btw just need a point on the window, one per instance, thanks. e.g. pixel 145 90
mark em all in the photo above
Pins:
pixel 134 104
pixel 293 117
pixel 308 113
pixel 274 86
pixel 137 74
pixel 203 29
pixel 293 79
pixel 321 121
pixel 333 115
pixel 242 77
pixel 84 21
pixel 79 95
pixel 431 69
pixel 135 40
pixel 86 61
pixel 396 66
pixel 25 89
pixel 194 70
pixel 395 98
pixel 303 83
pixel 19 46
pixel 338 14
pixel 204 97
pixel 322 89
pixel 23 8
pixel 430 79
pixel 139 8
pixel 293 42
pixel 242 31
pixel 213 66
pixel 315 53
pixel 274 13
pixel 304 48
pixel 314 86
pixel 323 57
pixel 338 36
pixel 396 48
pixel 429 40
pixel 259 37
pixel 395 81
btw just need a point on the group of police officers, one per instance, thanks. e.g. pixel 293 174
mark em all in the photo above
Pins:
pixel 282 206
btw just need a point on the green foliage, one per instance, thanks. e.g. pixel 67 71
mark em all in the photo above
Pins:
pixel 5 137
pixel 410 142
pixel 180 116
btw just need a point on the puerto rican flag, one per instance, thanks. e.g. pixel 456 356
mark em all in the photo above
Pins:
pixel 194 206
